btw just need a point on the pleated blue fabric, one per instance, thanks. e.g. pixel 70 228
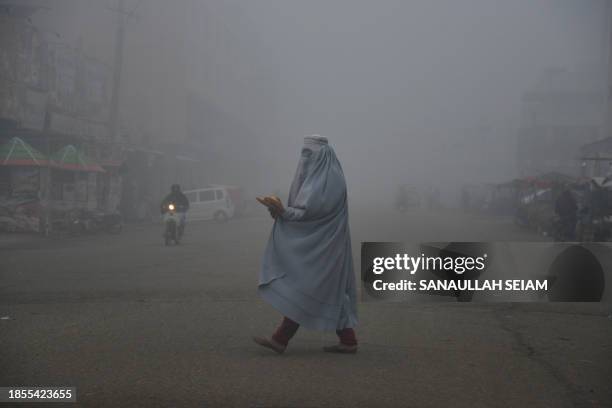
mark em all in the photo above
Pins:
pixel 307 270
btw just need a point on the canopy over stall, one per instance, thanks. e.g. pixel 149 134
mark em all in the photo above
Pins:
pixel 16 152
pixel 69 158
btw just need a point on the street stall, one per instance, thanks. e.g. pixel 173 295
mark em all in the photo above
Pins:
pixel 72 184
pixel 73 178
pixel 537 198
pixel 595 215
pixel 23 171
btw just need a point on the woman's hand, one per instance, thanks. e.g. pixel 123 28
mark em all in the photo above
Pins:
pixel 274 205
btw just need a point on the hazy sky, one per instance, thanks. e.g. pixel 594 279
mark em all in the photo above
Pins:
pixel 390 82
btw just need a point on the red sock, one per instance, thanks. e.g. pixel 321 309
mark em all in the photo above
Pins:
pixel 347 336
pixel 285 331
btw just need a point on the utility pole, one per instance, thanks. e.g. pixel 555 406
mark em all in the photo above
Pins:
pixel 118 63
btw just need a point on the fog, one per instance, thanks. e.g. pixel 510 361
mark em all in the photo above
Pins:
pixel 419 92
pixel 472 135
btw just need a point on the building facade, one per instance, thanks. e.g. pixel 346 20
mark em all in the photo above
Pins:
pixel 561 113
pixel 53 97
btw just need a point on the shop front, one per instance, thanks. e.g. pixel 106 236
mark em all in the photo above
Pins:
pixel 73 183
pixel 24 173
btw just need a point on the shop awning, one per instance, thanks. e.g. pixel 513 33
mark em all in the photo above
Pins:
pixel 16 152
pixel 69 158
pixel 111 163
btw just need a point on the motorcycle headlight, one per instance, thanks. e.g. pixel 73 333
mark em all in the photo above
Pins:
pixel 171 207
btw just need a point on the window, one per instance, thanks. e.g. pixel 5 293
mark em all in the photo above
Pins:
pixel 219 194
pixel 207 195
pixel 192 197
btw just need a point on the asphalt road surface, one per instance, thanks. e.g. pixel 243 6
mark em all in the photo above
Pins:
pixel 132 323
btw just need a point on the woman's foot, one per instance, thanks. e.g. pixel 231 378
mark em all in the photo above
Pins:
pixel 270 343
pixel 341 348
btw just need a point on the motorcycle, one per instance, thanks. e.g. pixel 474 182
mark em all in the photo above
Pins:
pixel 107 222
pixel 173 228
pixel 92 222
pixel 70 223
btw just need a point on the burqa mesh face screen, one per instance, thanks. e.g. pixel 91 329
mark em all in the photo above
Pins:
pixel 312 145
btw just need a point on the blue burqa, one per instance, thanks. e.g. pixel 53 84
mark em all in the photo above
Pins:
pixel 307 272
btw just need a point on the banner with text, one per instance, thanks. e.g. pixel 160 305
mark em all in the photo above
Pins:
pixel 486 271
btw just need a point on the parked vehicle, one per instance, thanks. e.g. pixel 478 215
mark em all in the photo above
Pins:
pixel 65 222
pixel 97 221
pixel 236 195
pixel 211 203
pixel 83 221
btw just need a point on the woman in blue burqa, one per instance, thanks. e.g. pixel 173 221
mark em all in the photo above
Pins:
pixel 307 271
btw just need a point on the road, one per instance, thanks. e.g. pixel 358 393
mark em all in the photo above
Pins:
pixel 132 323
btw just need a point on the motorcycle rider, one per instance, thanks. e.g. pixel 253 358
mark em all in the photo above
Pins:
pixel 181 203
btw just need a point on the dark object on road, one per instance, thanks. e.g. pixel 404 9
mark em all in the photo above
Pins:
pixel 456 250
pixel 576 276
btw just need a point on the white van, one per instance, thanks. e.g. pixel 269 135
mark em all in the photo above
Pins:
pixel 210 203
